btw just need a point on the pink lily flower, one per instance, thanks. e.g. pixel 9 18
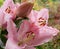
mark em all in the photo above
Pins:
pixel 7 11
pixel 7 5
pixel 28 35
pixel 39 18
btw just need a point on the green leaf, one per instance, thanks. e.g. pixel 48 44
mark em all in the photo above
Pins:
pixel 1 44
pixel 2 36
pixel 39 47
pixel 1 48
pixel 1 2
pixel 19 21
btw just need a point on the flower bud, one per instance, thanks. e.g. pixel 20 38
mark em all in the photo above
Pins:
pixel 24 9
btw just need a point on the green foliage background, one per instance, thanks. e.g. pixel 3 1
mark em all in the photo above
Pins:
pixel 1 2
pixel 38 4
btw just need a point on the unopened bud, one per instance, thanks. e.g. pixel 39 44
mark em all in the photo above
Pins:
pixel 24 9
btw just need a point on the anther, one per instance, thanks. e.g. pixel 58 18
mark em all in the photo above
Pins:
pixel 8 10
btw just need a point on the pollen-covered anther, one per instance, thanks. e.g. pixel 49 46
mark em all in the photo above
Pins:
pixel 41 21
pixel 8 10
pixel 29 37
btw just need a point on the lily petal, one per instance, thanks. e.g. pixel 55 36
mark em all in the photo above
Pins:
pixel 24 27
pixel 1 18
pixel 11 28
pixel 43 35
pixel 44 13
pixel 11 45
pixel 33 15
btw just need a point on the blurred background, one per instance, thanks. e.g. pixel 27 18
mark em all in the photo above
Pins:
pixel 54 20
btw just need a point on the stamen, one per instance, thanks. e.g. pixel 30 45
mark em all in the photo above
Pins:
pixel 8 10
pixel 29 36
pixel 41 21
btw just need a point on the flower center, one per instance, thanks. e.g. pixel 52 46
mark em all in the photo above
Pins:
pixel 29 36
pixel 41 21
pixel 8 10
